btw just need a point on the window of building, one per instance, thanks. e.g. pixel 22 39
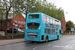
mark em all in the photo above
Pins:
pixel 1 23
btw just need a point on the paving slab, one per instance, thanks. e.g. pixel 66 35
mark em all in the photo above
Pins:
pixel 6 42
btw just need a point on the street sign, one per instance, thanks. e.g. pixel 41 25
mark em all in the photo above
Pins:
pixel 72 29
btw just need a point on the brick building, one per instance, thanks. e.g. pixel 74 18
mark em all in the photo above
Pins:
pixel 63 25
pixel 20 24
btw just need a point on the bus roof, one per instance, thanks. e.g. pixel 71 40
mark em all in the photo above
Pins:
pixel 46 15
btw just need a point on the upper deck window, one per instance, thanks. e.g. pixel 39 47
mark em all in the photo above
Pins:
pixel 47 19
pixel 53 21
pixel 34 16
pixel 59 23
pixel 50 20
pixel 44 18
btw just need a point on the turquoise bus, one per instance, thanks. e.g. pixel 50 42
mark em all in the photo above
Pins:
pixel 41 27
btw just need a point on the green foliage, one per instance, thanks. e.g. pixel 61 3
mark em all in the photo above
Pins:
pixel 30 6
pixel 74 26
pixel 69 25
pixel 48 8
pixel 9 34
pixel 0 34
pixel 19 33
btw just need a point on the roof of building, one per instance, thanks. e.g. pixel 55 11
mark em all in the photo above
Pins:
pixel 10 17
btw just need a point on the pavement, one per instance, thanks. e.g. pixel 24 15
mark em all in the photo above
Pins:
pixel 10 41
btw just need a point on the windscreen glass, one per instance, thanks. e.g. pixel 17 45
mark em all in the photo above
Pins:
pixel 33 25
pixel 34 16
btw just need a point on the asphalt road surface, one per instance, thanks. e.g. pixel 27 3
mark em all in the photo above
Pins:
pixel 67 42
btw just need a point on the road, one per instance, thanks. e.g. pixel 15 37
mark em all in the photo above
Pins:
pixel 67 42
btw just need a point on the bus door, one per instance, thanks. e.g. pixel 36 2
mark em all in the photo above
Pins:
pixel 52 32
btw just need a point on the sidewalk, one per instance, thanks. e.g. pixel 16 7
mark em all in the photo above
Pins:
pixel 5 42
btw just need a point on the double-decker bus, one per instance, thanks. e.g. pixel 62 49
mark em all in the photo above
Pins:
pixel 41 27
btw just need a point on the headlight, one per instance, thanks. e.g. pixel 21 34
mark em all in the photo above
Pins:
pixel 39 27
pixel 39 19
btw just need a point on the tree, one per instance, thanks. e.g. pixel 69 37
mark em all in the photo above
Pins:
pixel 48 8
pixel 21 6
pixel 2 17
pixel 69 25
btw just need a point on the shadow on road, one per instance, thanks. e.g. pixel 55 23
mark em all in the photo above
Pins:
pixel 34 42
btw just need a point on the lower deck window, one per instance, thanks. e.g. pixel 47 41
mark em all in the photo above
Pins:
pixel 50 31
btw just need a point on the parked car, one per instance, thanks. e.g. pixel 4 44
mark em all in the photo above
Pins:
pixel 10 30
pixel 15 30
pixel 19 30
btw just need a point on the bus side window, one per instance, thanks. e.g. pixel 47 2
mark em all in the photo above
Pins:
pixel 47 19
pixel 50 20
pixel 44 18
pixel 53 31
pixel 50 31
pixel 47 31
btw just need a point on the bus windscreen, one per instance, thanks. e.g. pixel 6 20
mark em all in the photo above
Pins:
pixel 33 25
pixel 34 16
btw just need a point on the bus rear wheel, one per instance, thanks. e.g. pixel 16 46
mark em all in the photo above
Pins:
pixel 57 37
pixel 47 39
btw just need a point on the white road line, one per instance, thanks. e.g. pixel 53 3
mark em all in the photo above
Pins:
pixel 41 46
pixel 34 48
pixel 48 44
pixel 67 45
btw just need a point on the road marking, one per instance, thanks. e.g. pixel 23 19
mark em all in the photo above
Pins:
pixel 41 46
pixel 48 44
pixel 58 46
pixel 34 48
pixel 68 47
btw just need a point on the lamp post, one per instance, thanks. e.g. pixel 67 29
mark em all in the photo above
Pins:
pixel 13 22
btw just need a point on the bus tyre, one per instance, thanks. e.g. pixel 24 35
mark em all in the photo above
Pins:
pixel 47 39
pixel 57 37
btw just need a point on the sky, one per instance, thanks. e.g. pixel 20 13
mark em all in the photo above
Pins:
pixel 68 6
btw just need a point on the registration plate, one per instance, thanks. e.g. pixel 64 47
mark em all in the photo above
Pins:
pixel 32 39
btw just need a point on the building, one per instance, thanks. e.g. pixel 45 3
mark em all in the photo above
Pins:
pixel 19 21
pixel 63 25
